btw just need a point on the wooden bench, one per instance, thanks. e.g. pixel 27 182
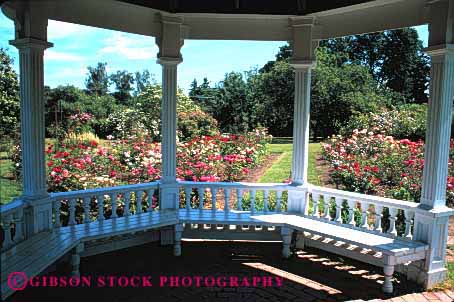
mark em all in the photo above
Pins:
pixel 394 251
pixel 35 254
pixel 389 250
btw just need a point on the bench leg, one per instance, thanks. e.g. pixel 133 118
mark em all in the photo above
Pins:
pixel 286 234
pixel 75 259
pixel 300 244
pixel 177 243
pixel 388 284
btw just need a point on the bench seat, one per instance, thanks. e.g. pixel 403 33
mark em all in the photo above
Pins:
pixel 34 255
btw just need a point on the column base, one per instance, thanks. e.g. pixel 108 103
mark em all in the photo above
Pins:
pixel 38 215
pixel 415 272
pixel 297 200
pixel 169 196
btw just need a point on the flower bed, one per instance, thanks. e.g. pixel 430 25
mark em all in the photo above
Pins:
pixel 373 163
pixel 77 165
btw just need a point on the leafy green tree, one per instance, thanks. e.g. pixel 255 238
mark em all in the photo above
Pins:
pixel 204 95
pixel 271 94
pixel 123 81
pixel 231 108
pixel 338 91
pixel 142 80
pixel 97 82
pixel 395 58
pixel 9 96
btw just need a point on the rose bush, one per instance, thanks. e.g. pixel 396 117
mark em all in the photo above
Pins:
pixel 374 163
pixel 77 165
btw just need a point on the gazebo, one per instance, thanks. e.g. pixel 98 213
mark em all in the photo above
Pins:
pixel 35 237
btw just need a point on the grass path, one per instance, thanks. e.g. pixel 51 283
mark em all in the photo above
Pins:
pixel 9 188
pixel 280 170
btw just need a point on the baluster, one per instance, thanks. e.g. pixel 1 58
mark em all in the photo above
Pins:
pixel 214 193
pixel 226 200
pixel 72 211
pixel 339 202
pixel 113 200
pixel 408 218
pixel 239 198
pixel 201 197
pixel 19 226
pixel 378 217
pixel 100 199
pixel 266 196
pixel 150 200
pixel 139 209
pixel 326 204
pixel 187 197
pixel 57 210
pixel 278 200
pixel 127 198
pixel 7 225
pixel 351 212
pixel 252 194
pixel 315 199
pixel 392 221
pixel 364 213
pixel 86 206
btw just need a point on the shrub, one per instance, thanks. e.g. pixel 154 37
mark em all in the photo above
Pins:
pixel 76 164
pixel 404 122
pixel 374 163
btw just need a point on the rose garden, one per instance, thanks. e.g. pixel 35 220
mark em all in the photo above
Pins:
pixel 367 132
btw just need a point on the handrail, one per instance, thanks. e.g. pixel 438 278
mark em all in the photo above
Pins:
pixel 387 202
pixel 12 206
pixel 242 185
pixel 107 190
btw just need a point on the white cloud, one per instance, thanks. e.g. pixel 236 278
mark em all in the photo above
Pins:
pixel 131 47
pixel 59 30
pixel 53 55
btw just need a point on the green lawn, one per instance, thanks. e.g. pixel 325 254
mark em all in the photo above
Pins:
pixel 280 170
pixel 9 188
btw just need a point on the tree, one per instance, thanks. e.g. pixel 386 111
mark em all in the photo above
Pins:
pixel 9 96
pixel 395 58
pixel 230 107
pixel 337 92
pixel 142 80
pixel 204 95
pixel 123 82
pixel 97 81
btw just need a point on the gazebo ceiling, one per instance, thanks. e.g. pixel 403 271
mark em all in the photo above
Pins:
pixel 269 7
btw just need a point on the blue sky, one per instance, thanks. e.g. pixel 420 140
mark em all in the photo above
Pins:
pixel 76 47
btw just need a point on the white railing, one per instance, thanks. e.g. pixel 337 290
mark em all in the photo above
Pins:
pixel 12 220
pixel 235 196
pixel 389 217
pixel 85 206
pixel 386 216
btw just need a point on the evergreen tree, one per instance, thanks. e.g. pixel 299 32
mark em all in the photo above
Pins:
pixel 97 82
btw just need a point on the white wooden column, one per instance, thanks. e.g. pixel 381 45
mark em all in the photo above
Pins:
pixel 301 118
pixel 170 43
pixel 432 216
pixel 303 60
pixel 436 155
pixel 169 120
pixel 31 52
pixel 31 41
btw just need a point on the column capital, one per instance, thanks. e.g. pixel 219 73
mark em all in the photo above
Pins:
pixel 440 50
pixel 169 61
pixel 303 64
pixel 26 43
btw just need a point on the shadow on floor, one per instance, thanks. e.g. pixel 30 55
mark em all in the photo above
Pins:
pixel 310 275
